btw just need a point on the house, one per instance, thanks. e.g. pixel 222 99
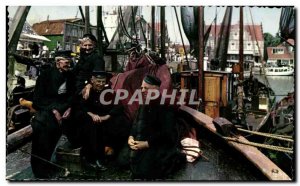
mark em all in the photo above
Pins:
pixel 27 38
pixel 281 55
pixel 63 33
pixel 253 43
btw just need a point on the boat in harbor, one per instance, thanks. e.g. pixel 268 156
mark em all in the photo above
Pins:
pixel 228 155
pixel 279 71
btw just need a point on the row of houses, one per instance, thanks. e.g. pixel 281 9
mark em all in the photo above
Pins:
pixel 65 33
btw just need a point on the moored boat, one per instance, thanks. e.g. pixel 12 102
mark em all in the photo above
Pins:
pixel 279 71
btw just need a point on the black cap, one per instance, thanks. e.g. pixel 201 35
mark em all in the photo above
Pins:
pixel 89 36
pixel 65 54
pixel 152 80
pixel 100 74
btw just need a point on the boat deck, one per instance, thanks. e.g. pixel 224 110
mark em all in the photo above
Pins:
pixel 222 165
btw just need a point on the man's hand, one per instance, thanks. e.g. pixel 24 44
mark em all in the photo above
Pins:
pixel 67 113
pixel 104 118
pixel 131 143
pixel 139 145
pixel 95 117
pixel 86 91
pixel 57 115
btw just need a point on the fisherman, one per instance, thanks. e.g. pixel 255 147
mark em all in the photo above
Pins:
pixel 103 125
pixel 52 101
pixel 152 138
pixel 89 60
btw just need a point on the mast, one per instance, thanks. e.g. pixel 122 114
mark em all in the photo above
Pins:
pixel 82 15
pixel 241 46
pixel 153 28
pixel 163 31
pixel 99 30
pixel 216 19
pixel 16 27
pixel 184 49
pixel 15 31
pixel 220 54
pixel 201 54
pixel 87 19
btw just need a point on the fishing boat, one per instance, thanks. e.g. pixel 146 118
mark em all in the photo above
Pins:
pixel 226 157
pixel 279 71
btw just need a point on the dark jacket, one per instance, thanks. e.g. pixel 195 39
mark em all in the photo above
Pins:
pixel 84 68
pixel 47 95
pixel 154 124
pixel 93 104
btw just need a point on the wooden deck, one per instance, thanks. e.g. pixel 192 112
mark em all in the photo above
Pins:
pixel 264 164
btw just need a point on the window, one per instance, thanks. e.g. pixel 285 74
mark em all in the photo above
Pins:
pixel 278 51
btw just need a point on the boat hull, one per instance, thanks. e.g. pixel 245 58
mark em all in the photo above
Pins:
pixel 279 71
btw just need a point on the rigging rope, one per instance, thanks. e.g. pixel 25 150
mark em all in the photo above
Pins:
pixel 123 24
pixel 281 137
pixel 133 23
pixel 270 147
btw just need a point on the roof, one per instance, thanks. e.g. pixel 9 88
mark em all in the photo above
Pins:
pixel 286 54
pixel 52 27
pixel 291 41
pixel 253 30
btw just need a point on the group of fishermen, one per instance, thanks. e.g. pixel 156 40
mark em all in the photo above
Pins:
pixel 67 102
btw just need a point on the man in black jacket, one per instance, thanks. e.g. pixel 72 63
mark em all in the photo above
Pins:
pixel 52 101
pixel 89 60
pixel 103 123
pixel 152 139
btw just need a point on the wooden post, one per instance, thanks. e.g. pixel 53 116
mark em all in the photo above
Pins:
pixel 153 28
pixel 162 31
pixel 201 54
pixel 87 19
pixel 241 48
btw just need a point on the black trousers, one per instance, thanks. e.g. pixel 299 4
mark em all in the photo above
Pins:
pixel 46 133
pixel 82 132
pixel 155 162
pixel 113 133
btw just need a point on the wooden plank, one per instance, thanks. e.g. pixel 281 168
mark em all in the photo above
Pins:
pixel 263 163
pixel 212 89
pixel 224 91
pixel 18 137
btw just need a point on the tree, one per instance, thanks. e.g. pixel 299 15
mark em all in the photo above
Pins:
pixel 270 41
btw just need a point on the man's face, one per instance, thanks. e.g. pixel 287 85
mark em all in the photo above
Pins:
pixel 63 65
pixel 87 46
pixel 145 87
pixel 98 83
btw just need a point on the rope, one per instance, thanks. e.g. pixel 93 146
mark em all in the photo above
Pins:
pixel 281 137
pixel 123 25
pixel 133 23
pixel 270 147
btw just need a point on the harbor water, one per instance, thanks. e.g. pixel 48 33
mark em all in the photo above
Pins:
pixel 281 85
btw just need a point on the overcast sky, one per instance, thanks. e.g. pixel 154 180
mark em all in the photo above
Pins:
pixel 268 17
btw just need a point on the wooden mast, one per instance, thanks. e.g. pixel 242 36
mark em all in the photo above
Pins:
pixel 201 54
pixel 87 19
pixel 162 31
pixel 153 28
pixel 241 46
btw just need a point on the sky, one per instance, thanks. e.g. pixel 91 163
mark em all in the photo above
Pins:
pixel 268 17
